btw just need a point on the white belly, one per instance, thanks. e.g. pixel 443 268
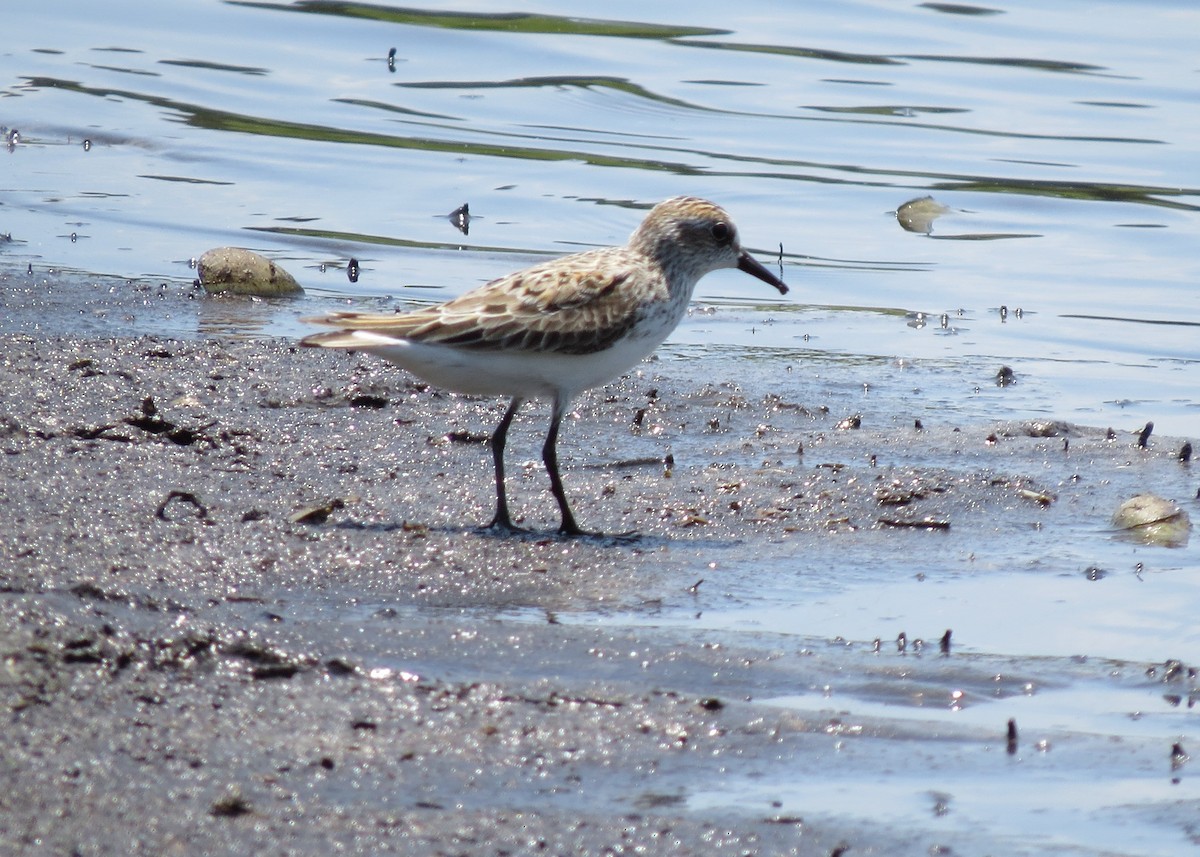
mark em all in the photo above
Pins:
pixel 529 374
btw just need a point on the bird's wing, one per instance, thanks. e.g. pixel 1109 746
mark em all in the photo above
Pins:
pixel 574 305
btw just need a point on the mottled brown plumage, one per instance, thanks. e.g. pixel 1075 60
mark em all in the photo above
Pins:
pixel 558 327
pixel 572 305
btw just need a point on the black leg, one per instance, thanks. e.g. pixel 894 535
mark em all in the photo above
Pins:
pixel 502 520
pixel 550 459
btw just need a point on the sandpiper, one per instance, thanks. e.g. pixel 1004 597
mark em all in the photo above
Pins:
pixel 559 327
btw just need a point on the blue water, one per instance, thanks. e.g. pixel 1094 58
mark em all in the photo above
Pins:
pixel 1061 140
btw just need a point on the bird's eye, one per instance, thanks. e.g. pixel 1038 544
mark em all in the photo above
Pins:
pixel 722 232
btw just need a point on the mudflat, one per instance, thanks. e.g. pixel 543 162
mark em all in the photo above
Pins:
pixel 248 606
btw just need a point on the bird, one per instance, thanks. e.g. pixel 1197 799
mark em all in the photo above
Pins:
pixel 560 327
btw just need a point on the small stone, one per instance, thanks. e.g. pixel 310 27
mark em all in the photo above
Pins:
pixel 1153 520
pixel 243 272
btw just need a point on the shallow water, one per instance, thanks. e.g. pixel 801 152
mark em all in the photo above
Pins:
pixel 1061 143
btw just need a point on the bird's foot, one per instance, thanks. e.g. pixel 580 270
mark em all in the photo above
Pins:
pixel 573 531
pixel 503 526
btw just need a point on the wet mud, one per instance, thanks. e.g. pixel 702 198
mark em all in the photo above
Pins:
pixel 247 607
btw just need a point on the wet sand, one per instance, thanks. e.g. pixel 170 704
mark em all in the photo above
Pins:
pixel 247 606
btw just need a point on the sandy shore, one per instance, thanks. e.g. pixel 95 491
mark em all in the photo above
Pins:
pixel 247 608
pixel 180 659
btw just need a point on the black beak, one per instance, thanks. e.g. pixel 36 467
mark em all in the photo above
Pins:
pixel 754 268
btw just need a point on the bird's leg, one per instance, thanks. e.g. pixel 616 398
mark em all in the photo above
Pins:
pixel 502 520
pixel 568 527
